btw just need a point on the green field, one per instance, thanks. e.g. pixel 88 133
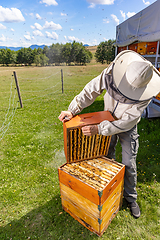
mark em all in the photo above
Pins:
pixel 31 150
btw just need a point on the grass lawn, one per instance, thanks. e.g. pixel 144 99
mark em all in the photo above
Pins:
pixel 31 150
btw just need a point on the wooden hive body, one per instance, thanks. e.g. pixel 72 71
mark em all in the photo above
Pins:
pixel 151 48
pixel 91 185
pixel 142 48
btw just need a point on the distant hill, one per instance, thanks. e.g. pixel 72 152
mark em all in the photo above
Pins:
pixel 32 47
pixel 92 49
pixel 18 48
pixel 86 45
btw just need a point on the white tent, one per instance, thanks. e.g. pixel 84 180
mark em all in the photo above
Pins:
pixel 143 27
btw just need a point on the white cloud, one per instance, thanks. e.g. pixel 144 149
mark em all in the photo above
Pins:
pixel 146 3
pixel 72 38
pixel 3 38
pixel 52 25
pixel 47 25
pixel 2 26
pixel 52 35
pixel 10 15
pixel 63 14
pixel 49 2
pixel 38 16
pixel 22 43
pixel 38 33
pixel 105 20
pixel 71 29
pixel 94 42
pixel 38 26
pixel 31 14
pixel 92 5
pixel 27 37
pixel 101 2
pixel 116 20
pixel 123 14
pixel 130 14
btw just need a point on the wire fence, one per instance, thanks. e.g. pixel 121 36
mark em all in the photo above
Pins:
pixel 13 103
pixel 10 111
pixel 26 90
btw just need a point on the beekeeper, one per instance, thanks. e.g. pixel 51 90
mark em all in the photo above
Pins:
pixel 131 81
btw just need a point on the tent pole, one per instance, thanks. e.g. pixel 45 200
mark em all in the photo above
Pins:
pixel 157 54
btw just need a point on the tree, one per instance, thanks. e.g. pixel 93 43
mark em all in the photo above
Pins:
pixel 75 53
pixel 110 51
pixel 7 56
pixel 105 52
pixel 83 56
pixel 54 53
pixel 66 53
pixel 25 56
pixel 100 54
pixel 41 59
pixel 2 56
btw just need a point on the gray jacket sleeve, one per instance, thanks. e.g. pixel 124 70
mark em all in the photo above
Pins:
pixel 88 95
pixel 128 120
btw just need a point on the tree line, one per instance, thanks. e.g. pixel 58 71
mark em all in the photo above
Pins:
pixel 57 54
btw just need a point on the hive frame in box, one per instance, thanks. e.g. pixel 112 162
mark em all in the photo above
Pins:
pixel 91 187
pixel 72 131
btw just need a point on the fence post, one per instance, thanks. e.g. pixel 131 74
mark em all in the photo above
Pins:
pixel 62 79
pixel 18 90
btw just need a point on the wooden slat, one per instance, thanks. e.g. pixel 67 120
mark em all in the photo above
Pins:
pixel 89 146
pixel 79 200
pixel 71 146
pixel 79 144
pixel 112 212
pixel 112 185
pixel 87 218
pixel 80 187
pixel 75 144
pixel 111 199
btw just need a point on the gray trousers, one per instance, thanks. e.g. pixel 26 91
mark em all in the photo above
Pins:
pixel 129 142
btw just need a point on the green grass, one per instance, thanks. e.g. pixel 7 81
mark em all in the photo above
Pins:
pixel 31 150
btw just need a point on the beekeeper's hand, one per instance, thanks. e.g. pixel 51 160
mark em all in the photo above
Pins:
pixel 65 115
pixel 90 130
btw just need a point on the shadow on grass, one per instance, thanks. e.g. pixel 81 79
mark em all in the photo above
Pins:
pixel 46 222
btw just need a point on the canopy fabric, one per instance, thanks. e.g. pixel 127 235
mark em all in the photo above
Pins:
pixel 142 27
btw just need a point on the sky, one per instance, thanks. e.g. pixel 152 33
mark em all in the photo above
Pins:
pixel 27 22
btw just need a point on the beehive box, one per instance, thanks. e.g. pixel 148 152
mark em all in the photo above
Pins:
pixel 142 48
pixel 151 48
pixel 91 185
pixel 133 47
pixel 92 191
pixel 120 49
pixel 158 96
